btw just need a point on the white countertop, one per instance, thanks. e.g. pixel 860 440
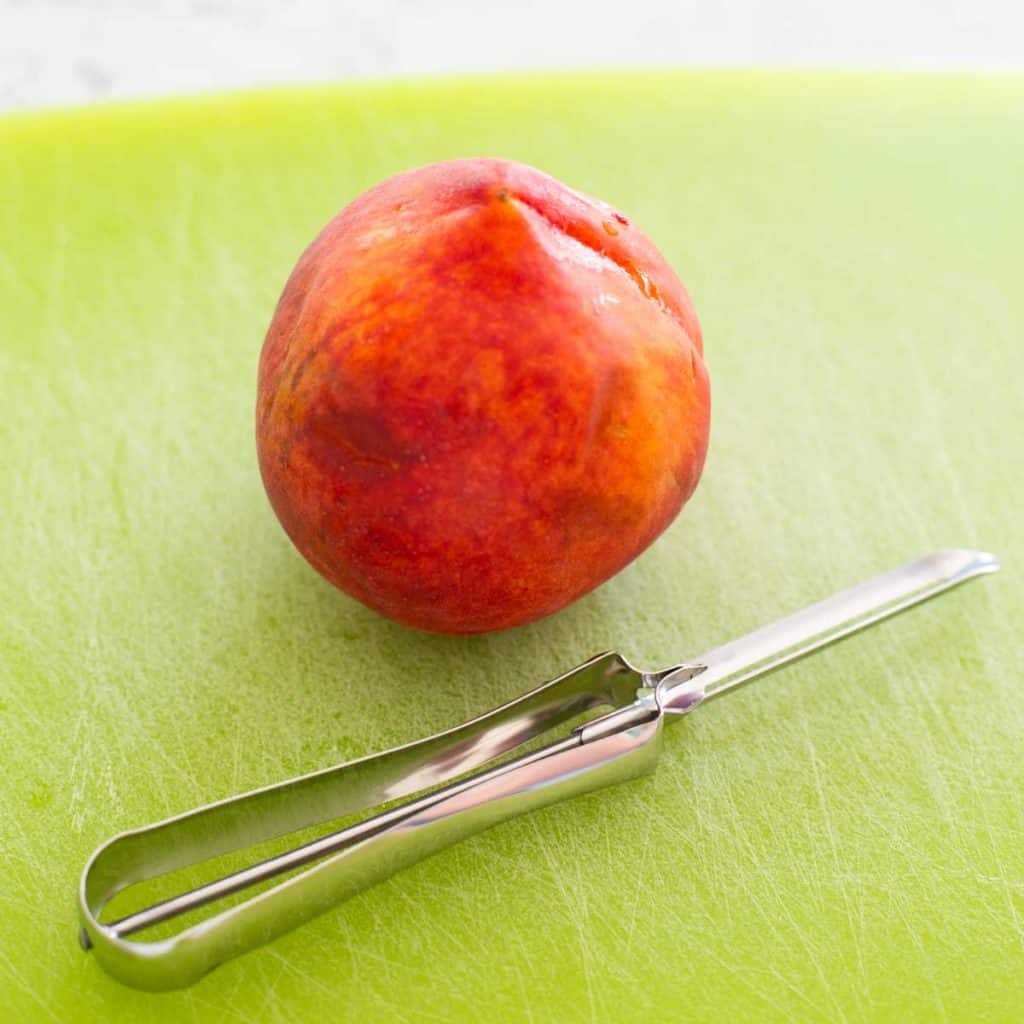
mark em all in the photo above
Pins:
pixel 56 52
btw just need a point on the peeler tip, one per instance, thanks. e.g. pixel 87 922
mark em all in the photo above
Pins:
pixel 960 564
pixel 984 562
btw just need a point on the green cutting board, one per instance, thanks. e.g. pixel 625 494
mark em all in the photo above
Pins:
pixel 843 842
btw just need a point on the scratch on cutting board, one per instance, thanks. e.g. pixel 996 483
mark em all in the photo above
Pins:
pixel 755 896
pixel 743 977
pixel 640 857
pixel 525 999
pixel 292 968
pixel 1007 885
pixel 221 1009
pixel 913 933
pixel 574 900
pixel 24 986
pixel 837 867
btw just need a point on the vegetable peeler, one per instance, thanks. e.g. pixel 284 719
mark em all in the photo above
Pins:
pixel 618 744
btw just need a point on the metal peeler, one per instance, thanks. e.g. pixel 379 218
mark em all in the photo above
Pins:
pixel 619 744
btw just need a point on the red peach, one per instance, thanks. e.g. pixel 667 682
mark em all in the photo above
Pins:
pixel 481 395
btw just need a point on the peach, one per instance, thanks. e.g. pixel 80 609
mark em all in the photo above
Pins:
pixel 481 395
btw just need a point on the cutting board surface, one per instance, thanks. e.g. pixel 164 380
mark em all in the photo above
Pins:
pixel 844 842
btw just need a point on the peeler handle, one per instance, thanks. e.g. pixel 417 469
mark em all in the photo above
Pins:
pixel 378 847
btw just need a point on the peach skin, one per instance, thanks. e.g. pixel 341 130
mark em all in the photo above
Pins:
pixel 481 395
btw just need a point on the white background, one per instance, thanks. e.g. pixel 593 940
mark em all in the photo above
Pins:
pixel 72 51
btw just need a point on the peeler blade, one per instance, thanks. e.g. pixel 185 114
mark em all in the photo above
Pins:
pixel 843 614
